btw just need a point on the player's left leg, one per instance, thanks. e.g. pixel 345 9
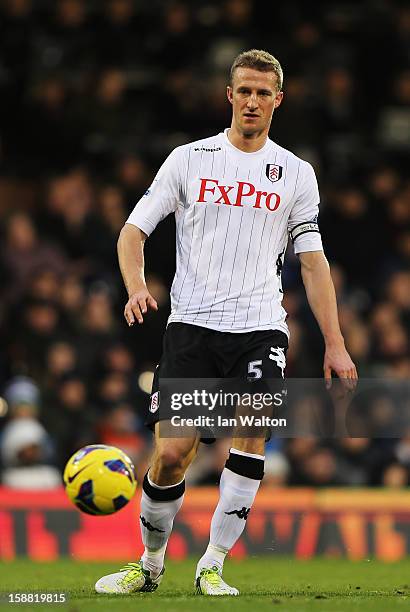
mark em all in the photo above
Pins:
pixel 239 484
pixel 262 357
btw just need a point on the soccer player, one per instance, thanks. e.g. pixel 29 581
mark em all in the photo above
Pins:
pixel 237 198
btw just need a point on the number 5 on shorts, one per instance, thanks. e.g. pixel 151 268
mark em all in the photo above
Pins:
pixel 254 371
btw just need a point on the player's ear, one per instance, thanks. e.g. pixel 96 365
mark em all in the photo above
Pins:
pixel 229 93
pixel 278 99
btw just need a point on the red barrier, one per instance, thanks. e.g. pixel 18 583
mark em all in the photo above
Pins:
pixel 301 522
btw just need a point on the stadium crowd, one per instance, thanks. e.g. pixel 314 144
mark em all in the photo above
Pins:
pixel 93 96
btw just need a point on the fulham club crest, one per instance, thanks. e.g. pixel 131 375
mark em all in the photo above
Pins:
pixel 154 402
pixel 274 172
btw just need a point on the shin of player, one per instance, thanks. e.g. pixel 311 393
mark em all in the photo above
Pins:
pixel 239 484
pixel 159 506
pixel 162 496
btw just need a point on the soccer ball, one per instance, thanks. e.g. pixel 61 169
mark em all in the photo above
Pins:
pixel 99 479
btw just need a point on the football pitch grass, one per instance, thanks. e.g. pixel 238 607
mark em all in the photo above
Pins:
pixel 266 583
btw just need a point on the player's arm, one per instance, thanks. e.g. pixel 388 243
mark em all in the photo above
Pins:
pixel 160 199
pixel 131 259
pixel 305 235
pixel 321 296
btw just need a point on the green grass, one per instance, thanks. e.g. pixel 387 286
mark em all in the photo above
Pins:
pixel 265 583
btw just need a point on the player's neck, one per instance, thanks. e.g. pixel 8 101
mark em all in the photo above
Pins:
pixel 248 144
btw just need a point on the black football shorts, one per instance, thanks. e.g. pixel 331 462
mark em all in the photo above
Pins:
pixel 190 351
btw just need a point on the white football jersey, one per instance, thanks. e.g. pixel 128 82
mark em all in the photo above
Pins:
pixel 234 212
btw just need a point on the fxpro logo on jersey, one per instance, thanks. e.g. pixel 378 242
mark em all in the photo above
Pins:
pixel 243 193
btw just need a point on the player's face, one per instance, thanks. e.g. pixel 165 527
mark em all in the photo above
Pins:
pixel 254 97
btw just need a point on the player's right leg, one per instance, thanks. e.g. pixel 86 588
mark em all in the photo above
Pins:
pixel 185 353
pixel 162 497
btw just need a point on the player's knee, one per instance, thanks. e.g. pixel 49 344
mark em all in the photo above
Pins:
pixel 170 459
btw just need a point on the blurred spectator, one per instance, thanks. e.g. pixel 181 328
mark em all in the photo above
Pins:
pixel 119 33
pixel 119 427
pixel 39 323
pixel 69 417
pixel 72 299
pixel 353 460
pixel 395 119
pixel 23 397
pixel 26 448
pixel 24 452
pixel 276 470
pixel 348 214
pixel 320 469
pixel 395 476
pixel 113 388
pixel 49 125
pixel 44 283
pixel 70 218
pixel 134 178
pixel 23 254
pixel 61 359
pixel 98 327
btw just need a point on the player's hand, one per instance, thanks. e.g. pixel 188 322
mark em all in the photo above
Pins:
pixel 138 304
pixel 338 360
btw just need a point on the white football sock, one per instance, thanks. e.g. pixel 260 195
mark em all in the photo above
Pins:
pixel 156 520
pixel 237 494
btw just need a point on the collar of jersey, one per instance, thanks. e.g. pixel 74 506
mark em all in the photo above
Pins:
pixel 258 152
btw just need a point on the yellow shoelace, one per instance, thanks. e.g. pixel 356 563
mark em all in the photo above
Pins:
pixel 134 571
pixel 211 575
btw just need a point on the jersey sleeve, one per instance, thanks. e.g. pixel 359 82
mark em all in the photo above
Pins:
pixel 303 227
pixel 161 198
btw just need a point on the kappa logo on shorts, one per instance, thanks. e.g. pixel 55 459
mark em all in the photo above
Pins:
pixel 154 402
pixel 278 355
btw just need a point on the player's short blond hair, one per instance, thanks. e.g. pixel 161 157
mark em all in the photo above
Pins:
pixel 258 60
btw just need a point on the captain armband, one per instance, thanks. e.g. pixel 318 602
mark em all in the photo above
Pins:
pixel 304 228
